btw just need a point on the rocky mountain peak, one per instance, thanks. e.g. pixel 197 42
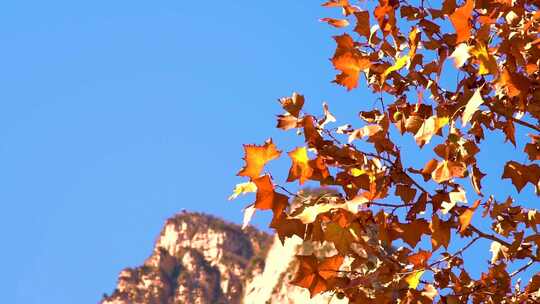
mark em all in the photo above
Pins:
pixel 198 258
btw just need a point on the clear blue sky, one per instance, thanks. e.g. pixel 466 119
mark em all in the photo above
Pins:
pixel 114 115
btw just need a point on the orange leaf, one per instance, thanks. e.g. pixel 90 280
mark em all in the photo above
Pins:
pixel 335 22
pixel 256 157
pixel 293 104
pixel 340 236
pixel 300 168
pixel 315 276
pixel 448 169
pixel 350 66
pixel 419 259
pixel 461 18
pixel 368 131
pixel 344 4
pixel 466 217
pixel 265 193
pixel 286 227
pixel 440 233
pixel 287 121
pixel 266 198
pixel 362 23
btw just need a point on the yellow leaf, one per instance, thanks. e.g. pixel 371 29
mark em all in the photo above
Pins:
pixel 414 279
pixel 243 188
pixel 300 168
pixel 400 63
pixel 472 106
pixel 488 64
pixel 355 172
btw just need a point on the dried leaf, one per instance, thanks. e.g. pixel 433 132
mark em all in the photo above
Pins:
pixel 249 211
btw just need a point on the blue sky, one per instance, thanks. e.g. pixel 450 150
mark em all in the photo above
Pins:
pixel 114 115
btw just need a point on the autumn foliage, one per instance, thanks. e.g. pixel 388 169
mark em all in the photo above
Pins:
pixel 422 217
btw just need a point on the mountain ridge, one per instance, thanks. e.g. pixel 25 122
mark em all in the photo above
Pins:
pixel 199 258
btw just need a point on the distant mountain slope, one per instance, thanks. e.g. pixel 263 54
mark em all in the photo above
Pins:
pixel 202 259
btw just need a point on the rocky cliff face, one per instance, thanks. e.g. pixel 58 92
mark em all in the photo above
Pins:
pixel 201 259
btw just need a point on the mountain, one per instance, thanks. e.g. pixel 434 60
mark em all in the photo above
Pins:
pixel 202 259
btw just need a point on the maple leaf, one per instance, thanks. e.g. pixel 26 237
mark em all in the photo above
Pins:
pixel 472 106
pixel 286 228
pixel 350 66
pixel 466 217
pixel 412 232
pixel 460 19
pixel 344 4
pixel 514 83
pixel 430 127
pixel 400 63
pixel 413 279
pixel 497 250
pixel 256 157
pixel 420 258
pixel 365 131
pixel 293 104
pixel 440 232
pixel 455 196
pixel 266 198
pixel 446 170
pixel 287 122
pixel 340 236
pixel 533 149
pixel 362 23
pixel 476 178
pixel 315 275
pixel 265 193
pixel 488 64
pixel 414 39
pixel 308 214
pixel 243 188
pixel 300 168
pixel 521 174
pixel 406 193
pixel 335 22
